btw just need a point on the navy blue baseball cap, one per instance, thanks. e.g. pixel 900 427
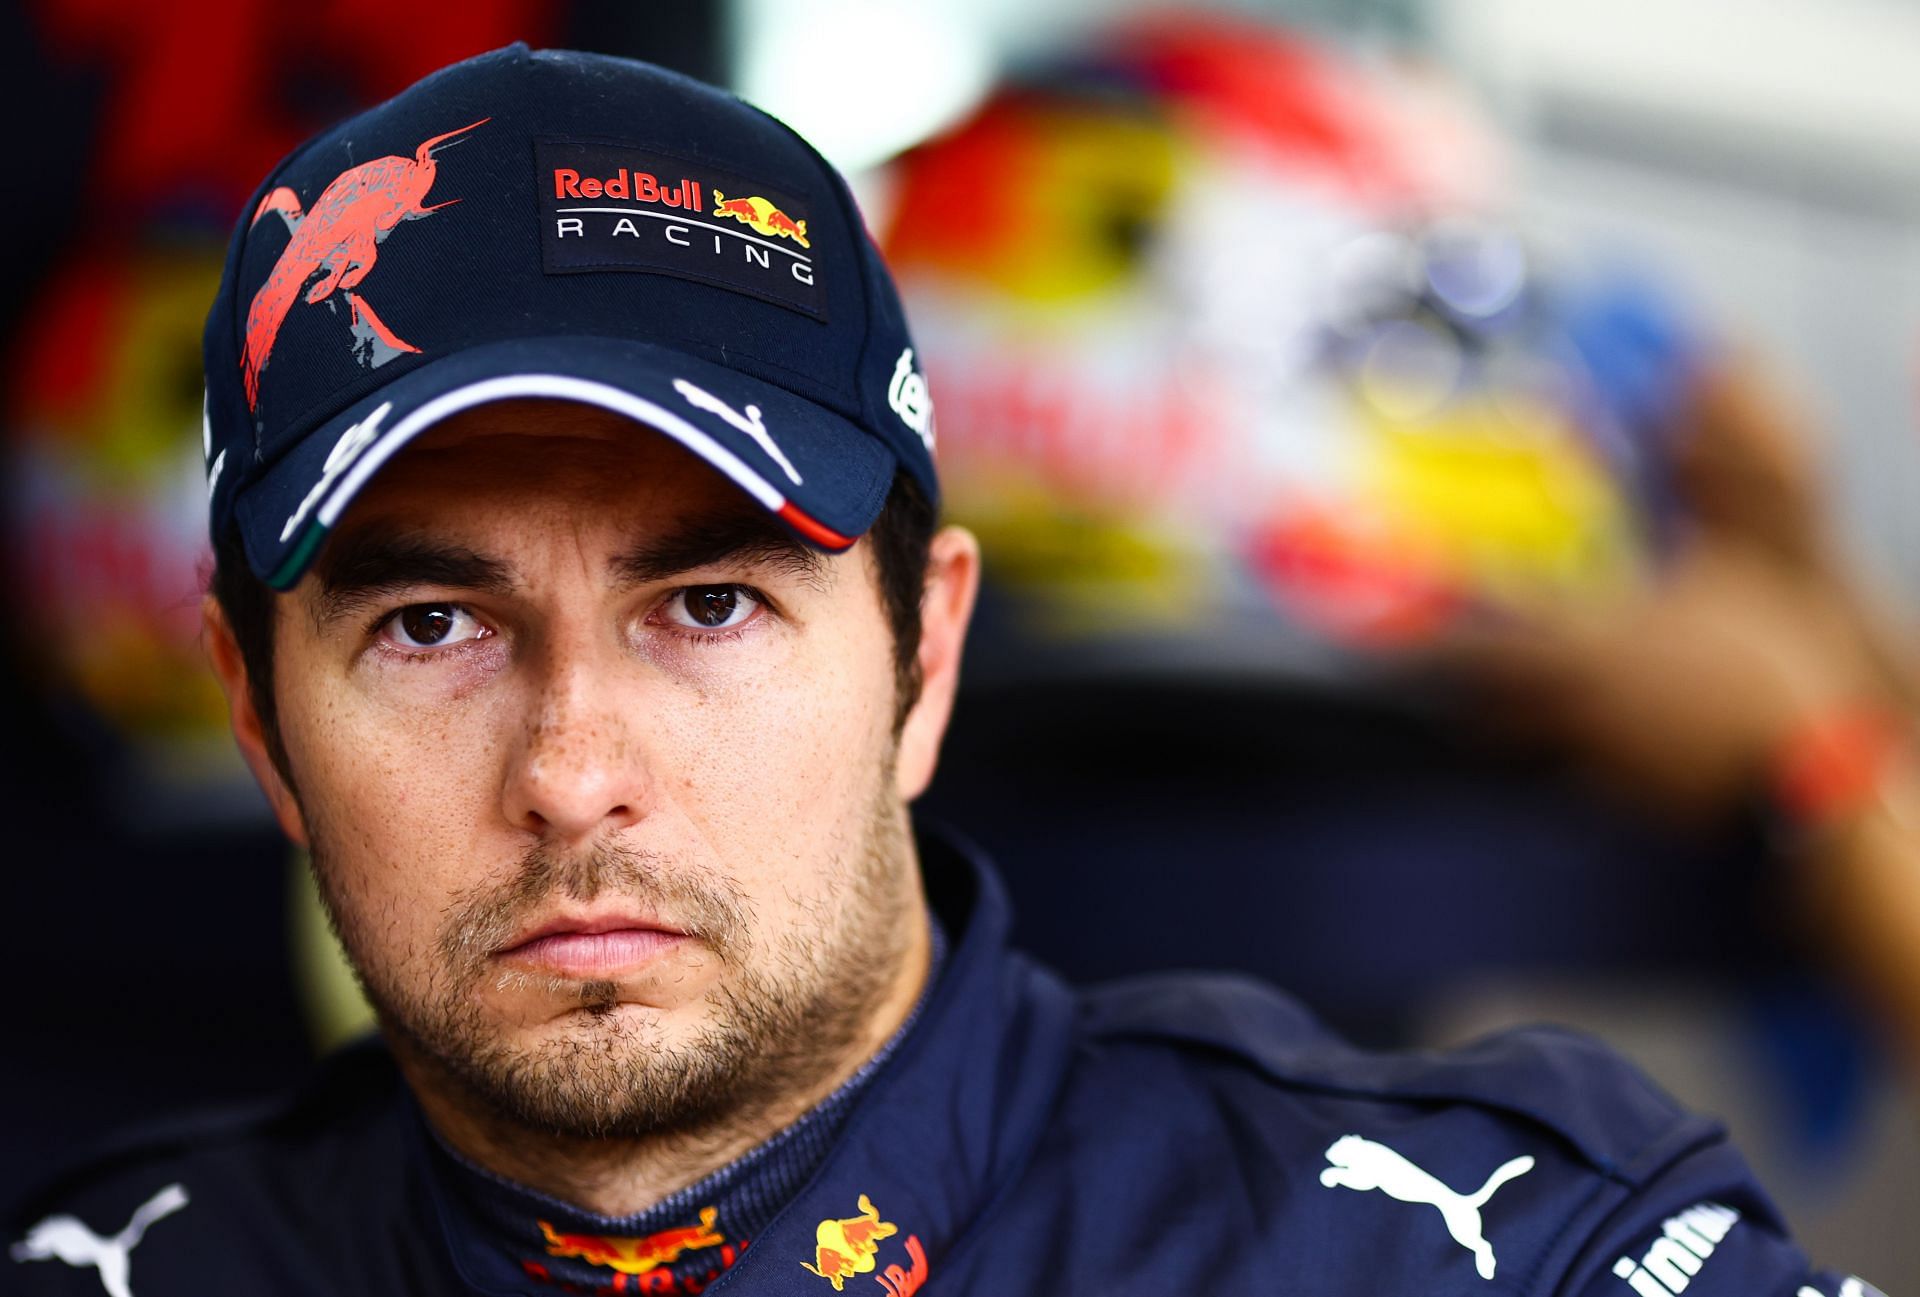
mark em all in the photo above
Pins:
pixel 569 226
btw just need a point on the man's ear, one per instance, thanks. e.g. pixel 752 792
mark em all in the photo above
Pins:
pixel 953 579
pixel 231 668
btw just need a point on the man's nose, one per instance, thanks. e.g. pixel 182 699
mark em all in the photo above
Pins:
pixel 578 767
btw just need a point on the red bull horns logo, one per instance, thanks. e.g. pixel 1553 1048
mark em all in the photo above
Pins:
pixel 339 239
pixel 640 1263
pixel 849 1246
pixel 763 216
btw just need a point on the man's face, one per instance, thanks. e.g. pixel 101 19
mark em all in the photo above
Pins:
pixel 598 769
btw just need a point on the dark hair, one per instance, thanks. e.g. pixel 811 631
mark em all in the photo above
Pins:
pixel 901 539
pixel 902 542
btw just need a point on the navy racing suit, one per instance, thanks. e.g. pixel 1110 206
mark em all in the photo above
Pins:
pixel 1170 1134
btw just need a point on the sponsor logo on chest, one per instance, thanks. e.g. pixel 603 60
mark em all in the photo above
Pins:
pixel 1685 1243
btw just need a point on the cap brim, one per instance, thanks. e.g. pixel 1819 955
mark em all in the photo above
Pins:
pixel 818 472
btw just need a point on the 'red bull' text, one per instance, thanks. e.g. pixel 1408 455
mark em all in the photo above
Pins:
pixel 636 186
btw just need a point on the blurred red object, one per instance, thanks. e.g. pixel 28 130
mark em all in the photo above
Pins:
pixel 197 91
pixel 106 510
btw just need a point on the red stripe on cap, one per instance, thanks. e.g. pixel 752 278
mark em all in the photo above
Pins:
pixel 812 530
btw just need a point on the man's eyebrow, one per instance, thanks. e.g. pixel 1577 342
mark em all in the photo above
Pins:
pixel 355 571
pixel 750 539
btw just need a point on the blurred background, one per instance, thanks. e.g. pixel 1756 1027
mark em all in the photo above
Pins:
pixel 1390 592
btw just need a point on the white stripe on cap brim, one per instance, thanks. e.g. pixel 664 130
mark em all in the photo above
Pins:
pixel 560 387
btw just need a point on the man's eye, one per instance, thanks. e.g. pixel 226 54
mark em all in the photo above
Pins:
pixel 432 625
pixel 711 607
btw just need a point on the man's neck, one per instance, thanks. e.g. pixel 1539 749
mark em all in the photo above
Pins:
pixel 623 1176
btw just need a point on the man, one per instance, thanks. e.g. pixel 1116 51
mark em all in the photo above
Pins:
pixel 580 606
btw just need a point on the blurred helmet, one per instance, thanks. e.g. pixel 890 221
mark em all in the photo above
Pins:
pixel 1238 367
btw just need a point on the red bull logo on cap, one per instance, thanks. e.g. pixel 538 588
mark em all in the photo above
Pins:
pixel 635 1256
pixel 762 216
pixel 607 207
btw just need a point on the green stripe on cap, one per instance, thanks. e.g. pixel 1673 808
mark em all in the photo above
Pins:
pixel 287 575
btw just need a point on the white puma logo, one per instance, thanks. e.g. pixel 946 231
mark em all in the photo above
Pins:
pixel 355 439
pixel 69 1239
pixel 748 423
pixel 1363 1164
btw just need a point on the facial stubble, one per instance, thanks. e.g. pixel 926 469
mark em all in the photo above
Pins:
pixel 784 1012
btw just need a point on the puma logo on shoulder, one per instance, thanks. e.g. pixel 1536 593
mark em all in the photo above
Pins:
pixel 1357 1163
pixel 69 1239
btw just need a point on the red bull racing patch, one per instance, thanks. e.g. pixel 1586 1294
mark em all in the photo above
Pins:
pixel 611 207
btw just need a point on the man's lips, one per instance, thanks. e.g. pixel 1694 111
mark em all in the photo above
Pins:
pixel 597 947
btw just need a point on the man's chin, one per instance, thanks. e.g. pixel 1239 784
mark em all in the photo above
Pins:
pixel 532 1003
pixel 590 1070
